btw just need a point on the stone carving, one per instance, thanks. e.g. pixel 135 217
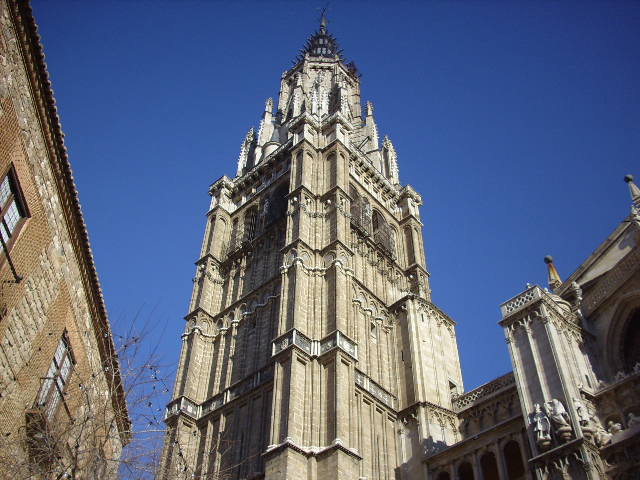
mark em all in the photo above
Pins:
pixel 520 301
pixel 468 398
pixel 601 436
pixel 614 427
pixel 586 420
pixel 559 417
pixel 632 420
pixel 541 426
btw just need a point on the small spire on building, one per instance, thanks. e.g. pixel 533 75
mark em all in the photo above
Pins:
pixel 635 194
pixel 554 277
pixel 369 109
pixel 323 20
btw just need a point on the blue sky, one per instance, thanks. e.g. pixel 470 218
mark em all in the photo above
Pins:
pixel 516 121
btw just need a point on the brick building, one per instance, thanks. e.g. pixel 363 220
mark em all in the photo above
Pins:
pixel 62 406
pixel 313 350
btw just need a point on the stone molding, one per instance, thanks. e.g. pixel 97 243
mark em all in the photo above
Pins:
pixel 370 386
pixel 186 406
pixel 611 281
pixel 312 451
pixel 482 392
pixel 315 348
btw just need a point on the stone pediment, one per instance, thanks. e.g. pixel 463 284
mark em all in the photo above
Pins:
pixel 610 253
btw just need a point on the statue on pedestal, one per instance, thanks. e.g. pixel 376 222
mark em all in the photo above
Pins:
pixel 558 415
pixel 541 427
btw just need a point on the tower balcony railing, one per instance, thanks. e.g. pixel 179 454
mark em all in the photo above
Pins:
pixel 182 404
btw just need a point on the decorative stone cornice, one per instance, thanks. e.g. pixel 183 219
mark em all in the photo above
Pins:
pixel 186 406
pixel 611 281
pixel 312 451
pixel 370 386
pixel 483 392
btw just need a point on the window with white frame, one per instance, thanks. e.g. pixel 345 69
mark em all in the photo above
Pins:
pixel 57 378
pixel 12 205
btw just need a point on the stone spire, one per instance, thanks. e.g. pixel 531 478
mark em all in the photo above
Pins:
pixel 554 277
pixel 390 158
pixel 246 152
pixel 635 195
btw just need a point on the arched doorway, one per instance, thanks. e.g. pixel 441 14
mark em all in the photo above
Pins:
pixel 513 459
pixel 465 471
pixel 489 466
pixel 444 476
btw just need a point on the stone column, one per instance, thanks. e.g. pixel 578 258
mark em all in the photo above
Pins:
pixel 522 440
pixel 502 465
pixel 477 469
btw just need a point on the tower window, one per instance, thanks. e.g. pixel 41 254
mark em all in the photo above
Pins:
pixel 13 208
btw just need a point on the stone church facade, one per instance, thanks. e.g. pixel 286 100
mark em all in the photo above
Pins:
pixel 313 350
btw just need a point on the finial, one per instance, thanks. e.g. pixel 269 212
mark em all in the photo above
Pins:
pixel 268 105
pixel 554 277
pixel 369 109
pixel 635 197
pixel 323 20
pixel 633 189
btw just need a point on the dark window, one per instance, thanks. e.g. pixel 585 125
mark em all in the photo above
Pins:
pixel 513 459
pixel 465 471
pixel 12 205
pixel 56 380
pixel 630 342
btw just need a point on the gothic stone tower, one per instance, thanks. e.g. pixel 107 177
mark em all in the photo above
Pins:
pixel 312 349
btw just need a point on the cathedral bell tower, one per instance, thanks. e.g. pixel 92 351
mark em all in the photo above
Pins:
pixel 312 349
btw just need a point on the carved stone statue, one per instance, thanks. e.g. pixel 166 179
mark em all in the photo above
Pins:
pixel 601 437
pixel 541 426
pixel 581 411
pixel 613 427
pixel 632 420
pixel 558 415
pixel 585 419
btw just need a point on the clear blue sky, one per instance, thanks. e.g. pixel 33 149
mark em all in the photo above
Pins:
pixel 516 121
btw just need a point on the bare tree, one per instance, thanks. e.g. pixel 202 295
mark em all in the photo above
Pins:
pixel 77 430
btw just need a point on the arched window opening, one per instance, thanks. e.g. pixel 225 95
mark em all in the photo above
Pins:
pixel 360 212
pixel 513 459
pixel 489 466
pixel 275 207
pixel 630 340
pixel 250 221
pixel 444 476
pixel 465 471
pixel 383 234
